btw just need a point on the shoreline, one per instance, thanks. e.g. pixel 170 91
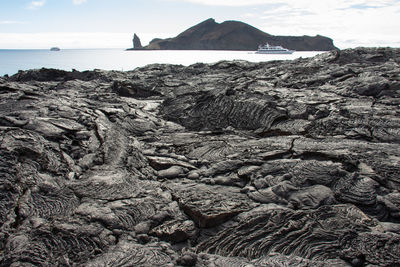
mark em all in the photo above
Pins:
pixel 118 59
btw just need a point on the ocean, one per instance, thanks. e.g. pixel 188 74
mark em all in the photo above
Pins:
pixel 118 59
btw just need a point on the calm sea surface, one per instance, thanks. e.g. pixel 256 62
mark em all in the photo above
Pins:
pixel 118 59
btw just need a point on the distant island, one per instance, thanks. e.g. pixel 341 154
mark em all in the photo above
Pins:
pixel 232 35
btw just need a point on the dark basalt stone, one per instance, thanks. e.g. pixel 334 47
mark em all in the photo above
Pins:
pixel 282 163
pixel 136 42
pixel 130 89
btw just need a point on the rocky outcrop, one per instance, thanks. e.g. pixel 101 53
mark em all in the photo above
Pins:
pixel 136 42
pixel 283 163
pixel 235 35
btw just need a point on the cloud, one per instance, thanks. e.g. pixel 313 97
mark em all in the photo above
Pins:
pixel 235 3
pixel 321 5
pixel 36 4
pixel 249 15
pixel 349 23
pixel 78 2
pixel 8 22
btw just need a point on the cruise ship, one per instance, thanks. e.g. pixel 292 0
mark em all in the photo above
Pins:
pixel 272 49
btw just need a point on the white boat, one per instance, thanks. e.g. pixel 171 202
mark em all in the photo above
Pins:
pixel 272 49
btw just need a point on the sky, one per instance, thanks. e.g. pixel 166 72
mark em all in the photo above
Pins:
pixel 31 24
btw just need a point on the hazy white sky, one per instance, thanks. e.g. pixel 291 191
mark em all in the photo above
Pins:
pixel 111 23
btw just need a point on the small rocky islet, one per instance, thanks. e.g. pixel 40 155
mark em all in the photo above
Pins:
pixel 282 163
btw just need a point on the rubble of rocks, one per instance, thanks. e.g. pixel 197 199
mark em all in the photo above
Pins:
pixel 282 163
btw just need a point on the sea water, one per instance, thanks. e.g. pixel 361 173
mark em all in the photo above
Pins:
pixel 118 59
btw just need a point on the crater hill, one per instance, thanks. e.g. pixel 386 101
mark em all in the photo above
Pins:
pixel 235 35
pixel 283 163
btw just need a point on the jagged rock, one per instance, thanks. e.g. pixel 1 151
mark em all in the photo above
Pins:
pixel 213 112
pixel 136 42
pixel 188 259
pixel 172 172
pixel 209 206
pixel 267 229
pixel 175 231
pixel 282 163
pixel 131 89
pixel 129 253
pixel 274 259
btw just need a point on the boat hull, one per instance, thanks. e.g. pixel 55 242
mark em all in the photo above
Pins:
pixel 275 52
